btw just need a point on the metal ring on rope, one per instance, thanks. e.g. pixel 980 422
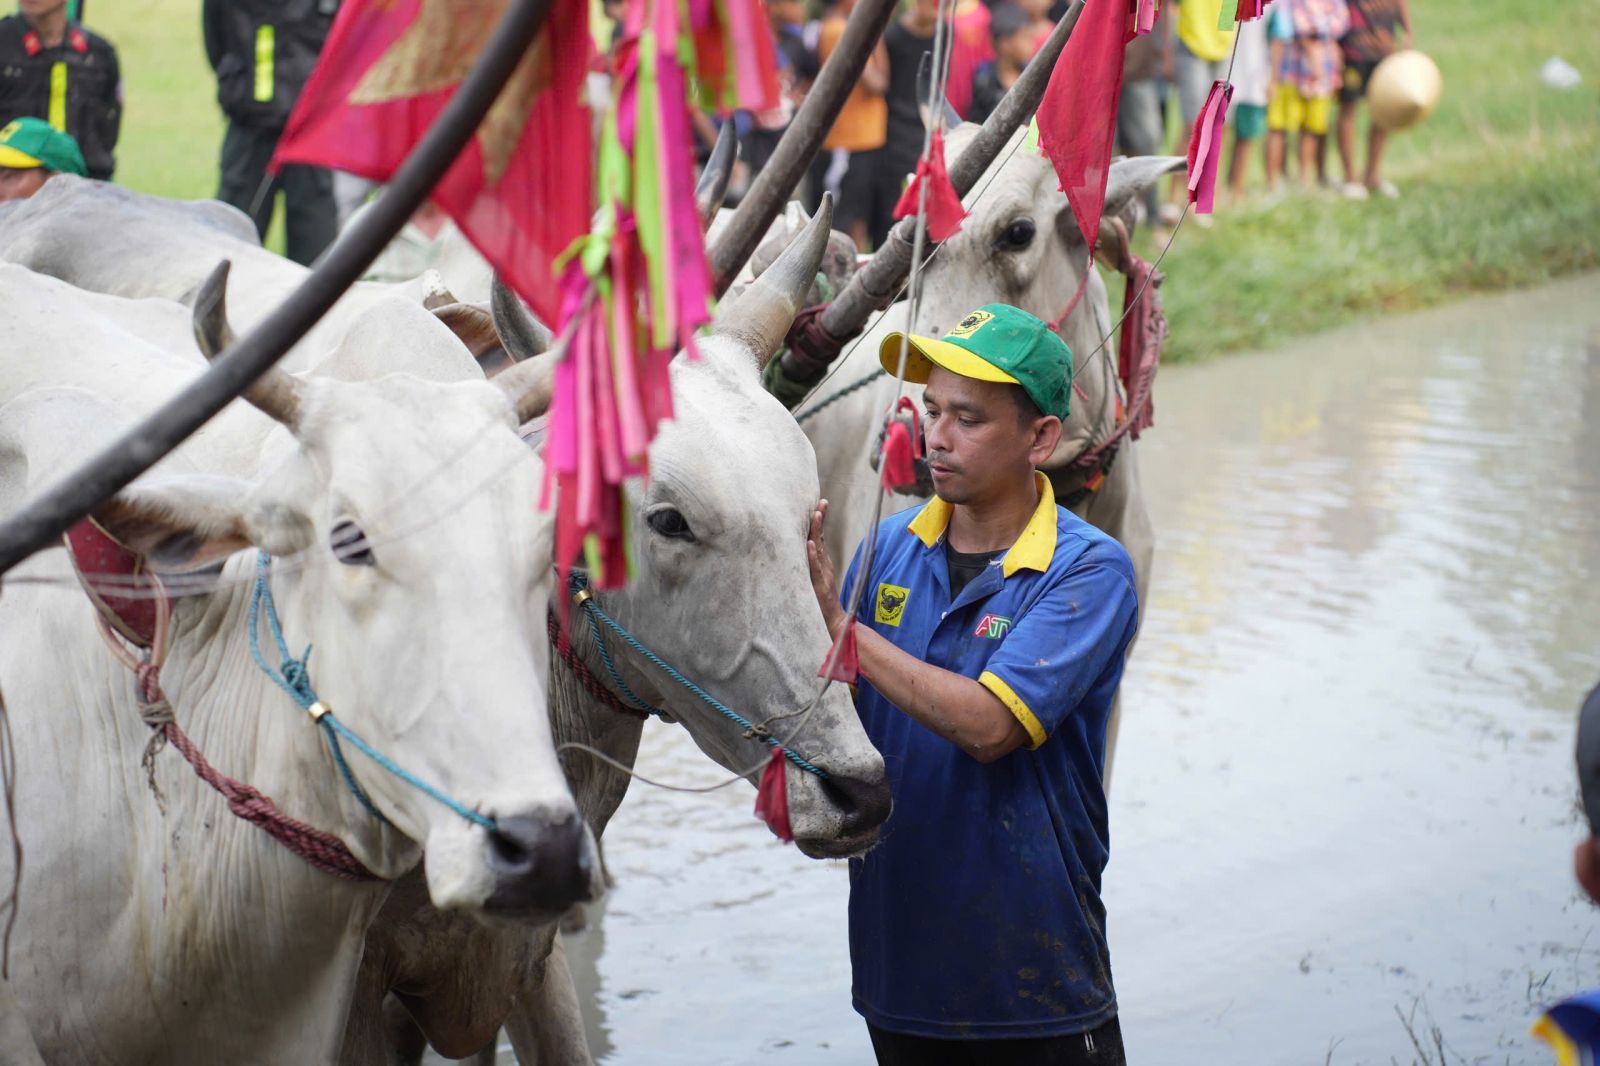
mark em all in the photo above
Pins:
pixel 294 678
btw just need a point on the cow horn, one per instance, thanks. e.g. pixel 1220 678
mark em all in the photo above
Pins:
pixel 760 318
pixel 275 394
pixel 521 334
pixel 879 279
pixel 530 385
pixel 776 182
pixel 713 184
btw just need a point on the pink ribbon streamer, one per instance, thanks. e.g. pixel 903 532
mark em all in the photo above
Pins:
pixel 1205 147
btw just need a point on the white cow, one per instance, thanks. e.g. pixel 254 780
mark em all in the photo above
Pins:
pixel 725 598
pixel 402 517
pixel 108 239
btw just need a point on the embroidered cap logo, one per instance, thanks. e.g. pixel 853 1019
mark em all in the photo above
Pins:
pixel 891 604
pixel 971 324
pixel 993 626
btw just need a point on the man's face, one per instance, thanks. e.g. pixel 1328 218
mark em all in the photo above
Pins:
pixel 35 9
pixel 19 183
pixel 978 443
pixel 1017 48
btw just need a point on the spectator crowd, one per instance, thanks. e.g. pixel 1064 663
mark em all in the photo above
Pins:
pixel 1299 73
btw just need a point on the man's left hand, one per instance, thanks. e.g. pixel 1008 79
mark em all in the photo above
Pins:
pixel 823 581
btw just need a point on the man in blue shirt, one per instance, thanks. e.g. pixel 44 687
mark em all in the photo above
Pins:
pixel 992 630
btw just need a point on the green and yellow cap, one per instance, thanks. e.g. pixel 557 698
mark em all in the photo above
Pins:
pixel 33 142
pixel 997 342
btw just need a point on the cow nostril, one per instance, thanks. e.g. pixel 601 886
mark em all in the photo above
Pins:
pixel 539 864
pixel 508 850
pixel 864 804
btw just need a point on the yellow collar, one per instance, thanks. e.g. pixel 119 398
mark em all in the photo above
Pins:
pixel 1034 548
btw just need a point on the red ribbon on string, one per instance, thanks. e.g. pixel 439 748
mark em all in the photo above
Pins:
pixel 944 206
pixel 902 447
pixel 1205 147
pixel 772 797
pixel 842 653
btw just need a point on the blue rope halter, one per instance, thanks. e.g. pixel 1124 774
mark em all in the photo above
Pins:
pixel 597 617
pixel 294 677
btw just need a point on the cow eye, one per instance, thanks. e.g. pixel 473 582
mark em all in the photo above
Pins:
pixel 350 545
pixel 1018 235
pixel 670 523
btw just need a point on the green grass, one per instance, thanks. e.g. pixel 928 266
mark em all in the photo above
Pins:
pixel 1501 185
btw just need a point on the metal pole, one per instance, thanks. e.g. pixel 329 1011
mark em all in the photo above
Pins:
pixel 43 520
pixel 881 276
pixel 799 144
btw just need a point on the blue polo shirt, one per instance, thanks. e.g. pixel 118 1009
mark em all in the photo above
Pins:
pixel 978 914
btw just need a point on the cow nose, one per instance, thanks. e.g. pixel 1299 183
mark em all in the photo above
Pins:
pixel 539 863
pixel 864 802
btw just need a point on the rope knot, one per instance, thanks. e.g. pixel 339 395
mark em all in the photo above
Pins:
pixel 297 675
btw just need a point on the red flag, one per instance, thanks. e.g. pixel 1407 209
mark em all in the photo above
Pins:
pixel 944 206
pixel 521 190
pixel 1078 114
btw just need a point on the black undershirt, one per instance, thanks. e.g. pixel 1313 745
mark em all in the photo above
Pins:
pixel 964 566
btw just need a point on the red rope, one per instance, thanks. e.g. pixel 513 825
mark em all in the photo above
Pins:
pixel 585 677
pixel 322 850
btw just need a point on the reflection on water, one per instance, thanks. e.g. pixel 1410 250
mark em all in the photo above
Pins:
pixel 1345 780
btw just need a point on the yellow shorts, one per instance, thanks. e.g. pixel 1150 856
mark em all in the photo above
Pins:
pixel 1289 111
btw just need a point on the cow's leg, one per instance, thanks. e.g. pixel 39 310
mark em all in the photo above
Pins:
pixel 545 1024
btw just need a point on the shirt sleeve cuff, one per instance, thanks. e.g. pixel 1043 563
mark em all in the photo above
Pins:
pixel 1018 709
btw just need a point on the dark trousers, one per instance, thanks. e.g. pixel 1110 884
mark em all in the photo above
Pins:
pixel 1097 1047
pixel 310 216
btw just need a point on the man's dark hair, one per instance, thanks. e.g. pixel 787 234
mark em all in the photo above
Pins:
pixel 1006 19
pixel 1027 411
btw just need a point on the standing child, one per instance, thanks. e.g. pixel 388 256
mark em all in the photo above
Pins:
pixel 1371 40
pixel 1252 83
pixel 1013 47
pixel 1306 63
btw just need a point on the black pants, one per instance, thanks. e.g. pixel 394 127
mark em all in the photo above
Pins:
pixel 310 216
pixel 1097 1047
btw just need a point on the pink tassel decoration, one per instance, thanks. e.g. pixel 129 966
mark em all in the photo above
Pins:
pixel 1205 147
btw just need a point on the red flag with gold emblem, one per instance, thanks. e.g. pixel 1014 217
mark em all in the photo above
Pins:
pixel 522 189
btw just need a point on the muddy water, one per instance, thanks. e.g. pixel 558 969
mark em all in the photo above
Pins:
pixel 1344 784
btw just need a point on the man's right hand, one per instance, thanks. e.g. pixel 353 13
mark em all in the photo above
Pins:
pixel 823 581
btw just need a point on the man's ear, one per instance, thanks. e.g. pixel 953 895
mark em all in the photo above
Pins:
pixel 1046 435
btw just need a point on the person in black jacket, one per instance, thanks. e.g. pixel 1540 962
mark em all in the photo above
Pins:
pixel 51 68
pixel 262 52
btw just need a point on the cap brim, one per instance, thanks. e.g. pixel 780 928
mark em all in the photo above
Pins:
pixel 17 160
pixel 924 353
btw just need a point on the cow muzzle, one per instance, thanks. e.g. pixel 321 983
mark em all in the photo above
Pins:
pixel 541 865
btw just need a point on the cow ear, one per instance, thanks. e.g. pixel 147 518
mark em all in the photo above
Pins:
pixel 180 523
pixel 1129 178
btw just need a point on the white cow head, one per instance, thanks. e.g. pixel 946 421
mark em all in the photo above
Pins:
pixel 410 550
pixel 722 590
pixel 1020 245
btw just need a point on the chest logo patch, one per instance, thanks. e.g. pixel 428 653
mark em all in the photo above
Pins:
pixel 993 626
pixel 891 604
pixel 971 324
